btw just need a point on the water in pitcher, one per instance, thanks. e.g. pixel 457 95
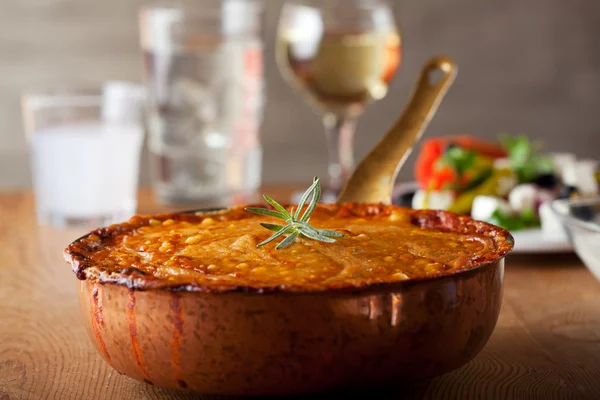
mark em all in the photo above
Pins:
pixel 206 102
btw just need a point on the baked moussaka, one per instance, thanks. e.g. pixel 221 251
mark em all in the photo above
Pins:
pixel 217 251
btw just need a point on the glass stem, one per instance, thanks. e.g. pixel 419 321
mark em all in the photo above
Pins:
pixel 339 132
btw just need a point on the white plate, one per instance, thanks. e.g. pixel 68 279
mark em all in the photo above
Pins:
pixel 530 241
pixel 534 241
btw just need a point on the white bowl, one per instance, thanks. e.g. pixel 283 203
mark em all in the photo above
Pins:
pixel 581 221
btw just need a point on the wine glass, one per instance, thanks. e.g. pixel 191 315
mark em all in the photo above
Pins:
pixel 341 56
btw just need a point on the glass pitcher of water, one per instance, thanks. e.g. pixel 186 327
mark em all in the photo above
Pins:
pixel 204 74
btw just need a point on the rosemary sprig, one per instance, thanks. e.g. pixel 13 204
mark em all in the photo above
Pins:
pixel 296 221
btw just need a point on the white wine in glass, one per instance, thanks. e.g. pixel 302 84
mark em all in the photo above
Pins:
pixel 341 55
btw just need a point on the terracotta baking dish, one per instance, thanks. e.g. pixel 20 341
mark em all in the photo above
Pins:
pixel 248 342
pixel 278 342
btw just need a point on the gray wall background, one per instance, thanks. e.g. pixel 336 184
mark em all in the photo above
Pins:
pixel 525 66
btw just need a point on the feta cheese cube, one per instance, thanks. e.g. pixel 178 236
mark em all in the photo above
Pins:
pixel 562 162
pixel 523 197
pixel 485 206
pixel 582 175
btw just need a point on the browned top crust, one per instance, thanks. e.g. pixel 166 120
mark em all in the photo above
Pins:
pixel 216 251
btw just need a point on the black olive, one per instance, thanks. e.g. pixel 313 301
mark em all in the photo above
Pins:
pixel 585 213
pixel 449 146
pixel 405 199
pixel 566 192
pixel 546 181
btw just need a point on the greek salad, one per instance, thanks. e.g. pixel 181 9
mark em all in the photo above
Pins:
pixel 508 182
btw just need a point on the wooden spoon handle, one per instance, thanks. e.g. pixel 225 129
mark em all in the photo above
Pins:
pixel 373 179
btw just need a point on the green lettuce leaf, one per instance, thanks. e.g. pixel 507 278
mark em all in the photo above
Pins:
pixel 528 219
pixel 525 160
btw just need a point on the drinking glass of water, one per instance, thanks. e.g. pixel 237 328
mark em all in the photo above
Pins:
pixel 203 68
pixel 85 151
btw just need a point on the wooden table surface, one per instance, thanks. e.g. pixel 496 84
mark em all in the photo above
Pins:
pixel 546 344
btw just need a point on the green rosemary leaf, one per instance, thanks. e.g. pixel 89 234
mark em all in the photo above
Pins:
pixel 313 204
pixel 264 211
pixel 272 227
pixel 288 240
pixel 303 227
pixel 278 206
pixel 305 197
pixel 275 236
pixel 311 234
pixel 328 233
pixel 296 226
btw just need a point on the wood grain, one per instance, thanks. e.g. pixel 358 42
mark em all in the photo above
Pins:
pixel 546 344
